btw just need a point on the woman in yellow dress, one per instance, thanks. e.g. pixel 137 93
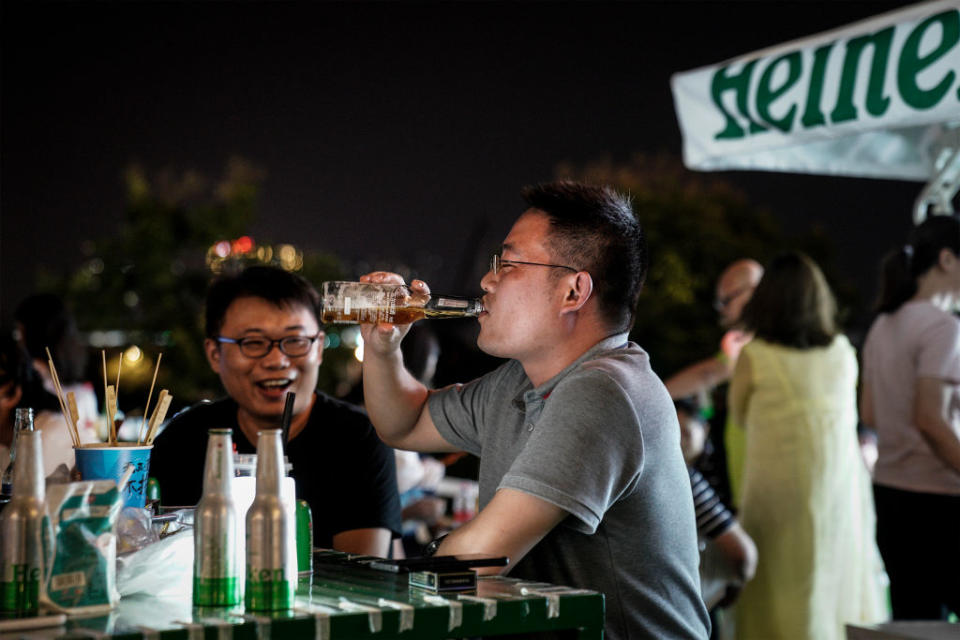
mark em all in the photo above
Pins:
pixel 806 492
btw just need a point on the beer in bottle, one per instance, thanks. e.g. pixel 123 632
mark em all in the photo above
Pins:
pixel 368 302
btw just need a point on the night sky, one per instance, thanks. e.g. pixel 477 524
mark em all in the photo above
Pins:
pixel 398 131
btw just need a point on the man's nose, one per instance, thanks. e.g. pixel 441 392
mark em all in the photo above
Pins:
pixel 488 281
pixel 275 358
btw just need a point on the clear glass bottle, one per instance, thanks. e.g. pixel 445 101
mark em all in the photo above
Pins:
pixel 22 422
pixel 368 302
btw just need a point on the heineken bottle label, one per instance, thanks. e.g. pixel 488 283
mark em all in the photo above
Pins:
pixel 268 590
pixel 216 592
pixel 20 589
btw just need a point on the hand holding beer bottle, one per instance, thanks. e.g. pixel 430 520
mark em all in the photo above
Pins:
pixel 384 338
pixel 399 396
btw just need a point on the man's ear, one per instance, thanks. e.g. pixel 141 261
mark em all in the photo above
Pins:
pixel 579 290
pixel 212 349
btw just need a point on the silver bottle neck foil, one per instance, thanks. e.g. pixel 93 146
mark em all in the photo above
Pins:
pixel 269 462
pixel 218 469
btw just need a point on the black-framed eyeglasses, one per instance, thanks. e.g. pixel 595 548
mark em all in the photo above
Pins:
pixel 723 302
pixel 496 262
pixel 256 347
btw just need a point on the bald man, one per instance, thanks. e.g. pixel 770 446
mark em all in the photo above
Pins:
pixel 734 288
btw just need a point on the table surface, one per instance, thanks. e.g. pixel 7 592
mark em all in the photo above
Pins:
pixel 344 599
pixel 905 630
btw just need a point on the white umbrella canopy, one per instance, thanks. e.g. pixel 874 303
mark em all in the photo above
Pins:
pixel 879 98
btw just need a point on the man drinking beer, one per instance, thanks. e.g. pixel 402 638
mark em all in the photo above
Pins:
pixel 582 481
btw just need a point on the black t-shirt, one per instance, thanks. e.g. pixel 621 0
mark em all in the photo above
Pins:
pixel 341 468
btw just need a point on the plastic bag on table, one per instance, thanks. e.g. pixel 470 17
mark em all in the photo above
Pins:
pixel 82 576
pixel 161 569
pixel 135 530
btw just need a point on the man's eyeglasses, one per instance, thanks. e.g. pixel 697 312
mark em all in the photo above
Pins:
pixel 723 302
pixel 293 346
pixel 496 262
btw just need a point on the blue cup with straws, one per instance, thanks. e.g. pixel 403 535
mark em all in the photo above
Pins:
pixel 122 462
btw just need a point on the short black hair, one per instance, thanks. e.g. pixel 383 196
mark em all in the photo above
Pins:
pixel 282 288
pixel 594 229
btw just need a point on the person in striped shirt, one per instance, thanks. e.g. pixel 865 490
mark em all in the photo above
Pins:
pixel 728 554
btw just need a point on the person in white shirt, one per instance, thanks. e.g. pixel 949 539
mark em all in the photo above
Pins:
pixel 911 396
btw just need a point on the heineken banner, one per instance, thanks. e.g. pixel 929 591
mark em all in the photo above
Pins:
pixel 870 99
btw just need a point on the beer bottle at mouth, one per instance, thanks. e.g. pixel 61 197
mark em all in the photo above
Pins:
pixel 369 302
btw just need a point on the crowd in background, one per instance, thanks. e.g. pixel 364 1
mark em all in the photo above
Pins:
pixel 786 455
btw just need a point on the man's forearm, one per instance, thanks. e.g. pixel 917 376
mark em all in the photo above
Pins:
pixel 458 543
pixel 367 542
pixel 510 525
pixel 699 377
pixel 394 398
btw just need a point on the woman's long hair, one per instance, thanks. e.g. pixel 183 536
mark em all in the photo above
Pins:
pixel 793 304
pixel 901 267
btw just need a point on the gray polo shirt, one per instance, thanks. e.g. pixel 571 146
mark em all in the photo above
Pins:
pixel 601 441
